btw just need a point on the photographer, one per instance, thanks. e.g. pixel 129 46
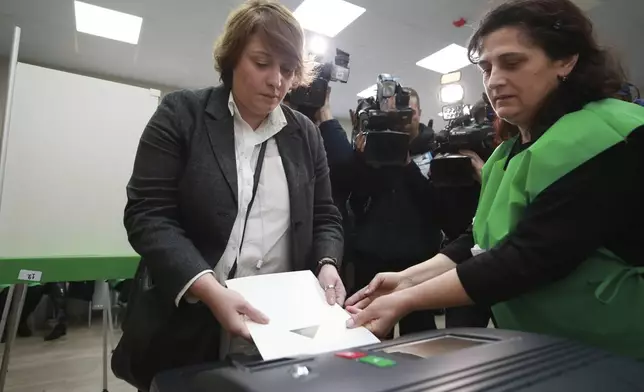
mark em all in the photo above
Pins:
pixel 391 209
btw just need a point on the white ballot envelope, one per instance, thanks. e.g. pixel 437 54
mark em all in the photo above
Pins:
pixel 301 321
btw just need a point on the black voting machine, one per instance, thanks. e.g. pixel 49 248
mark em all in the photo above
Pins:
pixel 443 360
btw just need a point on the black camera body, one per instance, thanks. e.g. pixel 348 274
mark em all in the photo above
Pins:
pixel 308 100
pixel 384 120
pixel 467 135
pixel 449 167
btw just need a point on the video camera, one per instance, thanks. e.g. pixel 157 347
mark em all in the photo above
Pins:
pixel 470 129
pixel 463 133
pixel 308 100
pixel 384 120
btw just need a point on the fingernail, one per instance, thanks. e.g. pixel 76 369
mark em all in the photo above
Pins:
pixel 351 323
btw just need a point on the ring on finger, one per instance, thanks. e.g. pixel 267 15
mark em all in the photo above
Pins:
pixel 329 287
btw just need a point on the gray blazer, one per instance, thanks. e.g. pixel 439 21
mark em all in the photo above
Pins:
pixel 182 204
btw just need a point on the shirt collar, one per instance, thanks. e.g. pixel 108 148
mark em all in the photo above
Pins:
pixel 275 120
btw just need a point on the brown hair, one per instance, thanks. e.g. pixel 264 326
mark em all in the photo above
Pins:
pixel 278 29
pixel 561 29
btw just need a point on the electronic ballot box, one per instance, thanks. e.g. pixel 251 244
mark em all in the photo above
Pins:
pixel 442 360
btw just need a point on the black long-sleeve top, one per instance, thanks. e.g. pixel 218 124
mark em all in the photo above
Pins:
pixel 598 204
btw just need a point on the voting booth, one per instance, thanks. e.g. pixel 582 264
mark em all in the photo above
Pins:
pixel 442 360
pixel 67 148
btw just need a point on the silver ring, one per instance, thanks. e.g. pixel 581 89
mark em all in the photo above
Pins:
pixel 329 287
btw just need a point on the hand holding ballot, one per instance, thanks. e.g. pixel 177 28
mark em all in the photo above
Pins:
pixel 301 320
pixel 382 284
pixel 228 306
pixel 331 283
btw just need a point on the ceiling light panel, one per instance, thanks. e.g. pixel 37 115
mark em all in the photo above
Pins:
pixel 370 91
pixel 452 93
pixel 107 23
pixel 327 17
pixel 449 59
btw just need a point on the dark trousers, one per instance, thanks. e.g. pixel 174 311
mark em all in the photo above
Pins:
pixel 366 268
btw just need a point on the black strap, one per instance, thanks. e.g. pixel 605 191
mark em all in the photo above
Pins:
pixel 258 171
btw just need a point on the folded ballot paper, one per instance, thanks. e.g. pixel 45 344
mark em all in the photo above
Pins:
pixel 301 321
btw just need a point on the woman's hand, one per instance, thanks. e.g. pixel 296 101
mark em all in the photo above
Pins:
pixel 228 306
pixel 477 163
pixel 230 309
pixel 383 284
pixel 382 314
pixel 324 113
pixel 332 284
pixel 360 142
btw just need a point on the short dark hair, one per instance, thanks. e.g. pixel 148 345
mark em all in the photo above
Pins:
pixel 561 30
pixel 277 27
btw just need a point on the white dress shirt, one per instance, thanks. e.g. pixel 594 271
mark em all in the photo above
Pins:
pixel 423 161
pixel 266 243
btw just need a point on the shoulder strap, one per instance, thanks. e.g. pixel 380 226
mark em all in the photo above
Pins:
pixel 258 171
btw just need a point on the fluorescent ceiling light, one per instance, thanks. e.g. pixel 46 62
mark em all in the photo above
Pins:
pixel 451 78
pixel 370 91
pixel 318 45
pixel 449 59
pixel 327 17
pixel 452 93
pixel 106 23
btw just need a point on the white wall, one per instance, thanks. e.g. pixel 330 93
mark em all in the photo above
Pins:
pixel 131 82
pixel 67 167
pixel 4 74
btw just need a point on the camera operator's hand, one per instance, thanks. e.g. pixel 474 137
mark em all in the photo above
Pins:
pixel 477 163
pixel 354 119
pixel 324 113
pixel 360 142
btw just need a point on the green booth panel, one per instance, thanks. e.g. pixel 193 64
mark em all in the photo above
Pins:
pixel 67 269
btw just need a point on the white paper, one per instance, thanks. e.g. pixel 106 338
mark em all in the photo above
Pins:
pixel 301 321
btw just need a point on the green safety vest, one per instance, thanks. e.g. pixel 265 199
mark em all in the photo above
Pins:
pixel 601 303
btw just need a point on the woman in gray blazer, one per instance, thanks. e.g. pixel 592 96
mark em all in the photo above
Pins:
pixel 227 182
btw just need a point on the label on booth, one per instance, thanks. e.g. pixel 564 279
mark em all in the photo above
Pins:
pixel 31 276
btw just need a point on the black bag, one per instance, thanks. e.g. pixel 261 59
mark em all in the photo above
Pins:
pixel 158 336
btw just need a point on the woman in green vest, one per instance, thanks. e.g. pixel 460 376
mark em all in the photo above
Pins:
pixel 555 244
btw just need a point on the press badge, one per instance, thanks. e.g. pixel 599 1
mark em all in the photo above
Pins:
pixel 476 250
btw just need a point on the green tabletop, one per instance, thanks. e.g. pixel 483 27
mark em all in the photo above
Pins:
pixel 68 268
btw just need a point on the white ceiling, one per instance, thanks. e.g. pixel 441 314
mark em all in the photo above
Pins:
pixel 177 36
